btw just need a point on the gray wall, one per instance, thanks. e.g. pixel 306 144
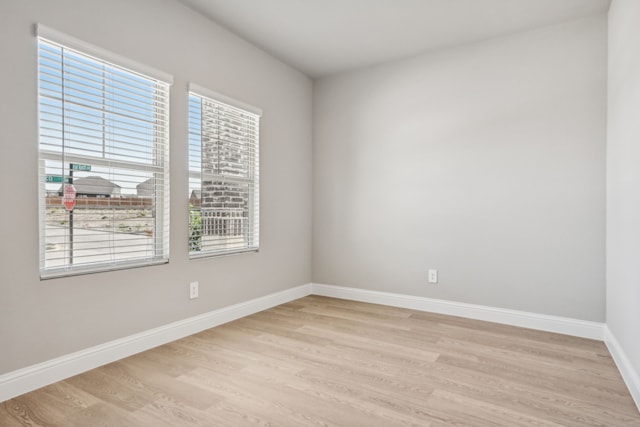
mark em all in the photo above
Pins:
pixel 623 178
pixel 40 320
pixel 485 161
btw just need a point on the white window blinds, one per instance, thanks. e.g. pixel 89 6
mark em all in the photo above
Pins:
pixel 223 175
pixel 104 162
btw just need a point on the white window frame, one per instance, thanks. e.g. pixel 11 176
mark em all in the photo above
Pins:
pixel 213 244
pixel 154 164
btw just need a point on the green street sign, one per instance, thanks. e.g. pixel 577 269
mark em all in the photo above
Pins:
pixel 79 167
pixel 54 178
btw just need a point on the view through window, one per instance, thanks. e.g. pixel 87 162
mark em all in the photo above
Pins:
pixel 103 145
pixel 223 175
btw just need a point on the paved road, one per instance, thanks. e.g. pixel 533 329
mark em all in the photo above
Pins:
pixel 91 246
pixel 94 246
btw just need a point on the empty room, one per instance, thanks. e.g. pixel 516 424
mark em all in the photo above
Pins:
pixel 320 213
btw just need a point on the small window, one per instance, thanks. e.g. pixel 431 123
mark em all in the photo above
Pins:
pixel 223 175
pixel 103 160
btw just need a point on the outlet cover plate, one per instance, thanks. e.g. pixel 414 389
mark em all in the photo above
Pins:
pixel 193 290
pixel 433 276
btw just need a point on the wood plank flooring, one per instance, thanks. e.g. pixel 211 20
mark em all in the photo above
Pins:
pixel 326 362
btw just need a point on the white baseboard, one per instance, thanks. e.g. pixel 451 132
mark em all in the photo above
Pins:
pixel 33 377
pixel 542 322
pixel 629 374
pixel 30 378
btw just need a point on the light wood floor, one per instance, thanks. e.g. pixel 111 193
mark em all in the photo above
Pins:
pixel 326 362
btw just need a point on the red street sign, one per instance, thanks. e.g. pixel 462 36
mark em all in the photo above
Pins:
pixel 69 197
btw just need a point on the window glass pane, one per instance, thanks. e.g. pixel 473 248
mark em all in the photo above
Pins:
pixel 103 151
pixel 223 178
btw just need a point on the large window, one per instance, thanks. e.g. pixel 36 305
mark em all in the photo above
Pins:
pixel 104 159
pixel 223 174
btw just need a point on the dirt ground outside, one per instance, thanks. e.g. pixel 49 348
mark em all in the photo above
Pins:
pixel 139 220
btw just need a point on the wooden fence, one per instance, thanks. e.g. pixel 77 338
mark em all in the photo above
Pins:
pixel 105 202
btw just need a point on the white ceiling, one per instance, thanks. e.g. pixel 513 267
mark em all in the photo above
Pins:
pixel 321 37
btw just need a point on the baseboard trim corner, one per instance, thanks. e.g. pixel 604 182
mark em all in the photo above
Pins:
pixel 542 322
pixel 630 376
pixel 27 379
pixel 32 377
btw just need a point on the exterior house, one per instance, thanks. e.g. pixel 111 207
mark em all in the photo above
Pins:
pixel 224 208
pixel 94 186
pixel 224 204
pixel 195 199
pixel 145 188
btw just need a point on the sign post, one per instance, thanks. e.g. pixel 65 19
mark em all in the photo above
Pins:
pixel 69 202
pixel 69 196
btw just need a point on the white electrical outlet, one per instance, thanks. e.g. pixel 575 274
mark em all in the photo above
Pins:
pixel 433 276
pixel 193 290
